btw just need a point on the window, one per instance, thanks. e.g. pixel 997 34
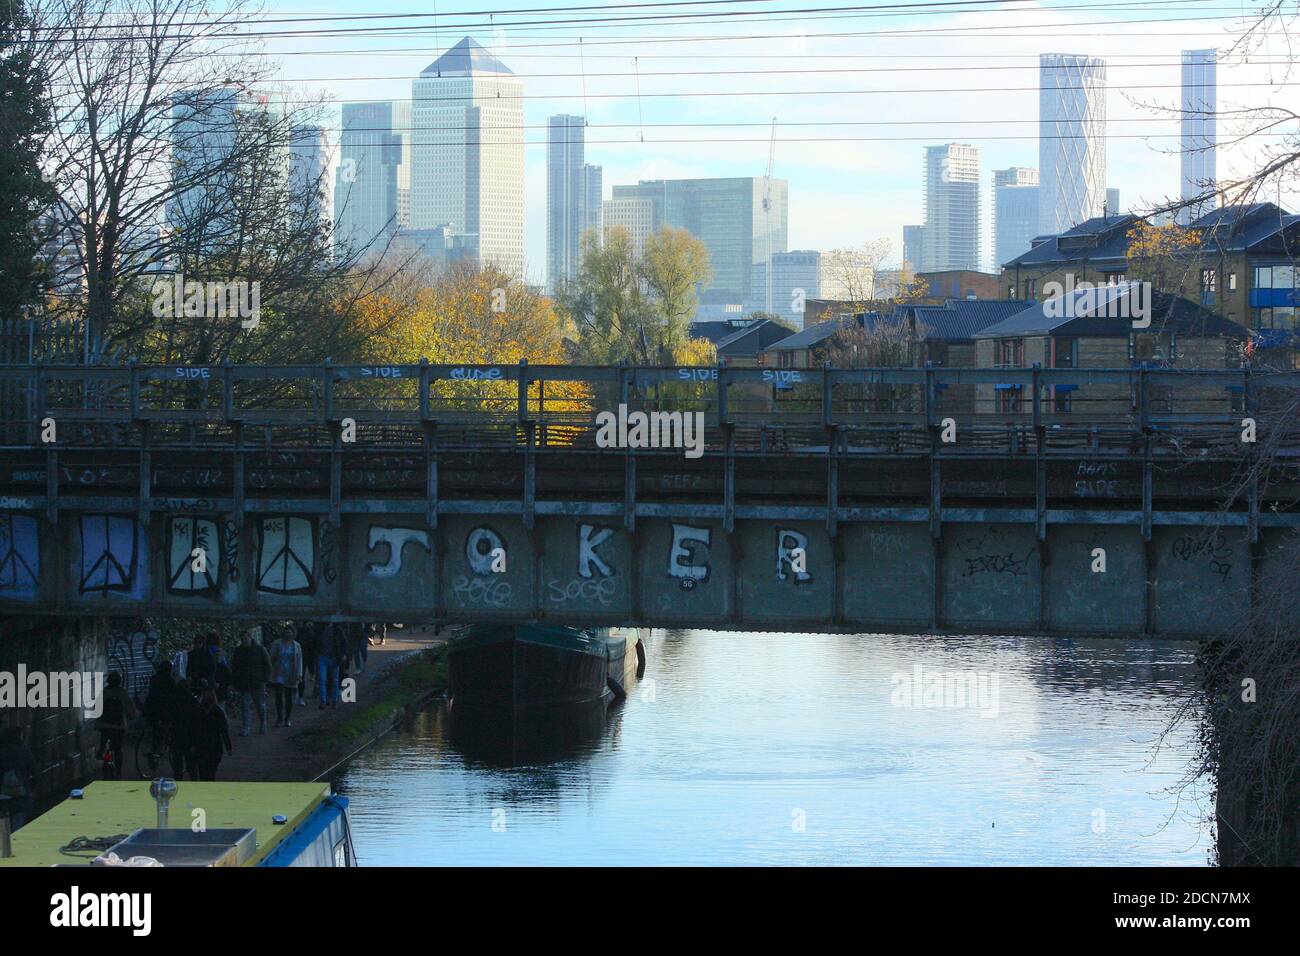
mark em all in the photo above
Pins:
pixel 1115 278
pixel 1065 353
pixel 1009 399
pixel 1151 348
pixel 1061 400
pixel 1278 318
pixel 1232 282
pixel 1030 288
pixel 1209 280
pixel 1275 277
pixel 1010 353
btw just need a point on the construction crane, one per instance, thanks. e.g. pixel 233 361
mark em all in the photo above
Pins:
pixel 767 215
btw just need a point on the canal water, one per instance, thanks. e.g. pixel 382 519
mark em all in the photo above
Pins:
pixel 811 749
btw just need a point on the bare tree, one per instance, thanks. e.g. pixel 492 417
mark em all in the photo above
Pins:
pixel 169 163
pixel 859 281
pixel 877 342
pixel 1247 713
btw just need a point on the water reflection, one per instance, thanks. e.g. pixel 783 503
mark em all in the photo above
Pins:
pixel 514 737
pixel 795 749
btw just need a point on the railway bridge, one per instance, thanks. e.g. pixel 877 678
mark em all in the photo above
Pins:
pixel 1117 502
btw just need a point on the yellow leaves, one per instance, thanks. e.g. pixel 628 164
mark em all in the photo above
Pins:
pixel 1147 241
pixel 469 316
pixel 695 352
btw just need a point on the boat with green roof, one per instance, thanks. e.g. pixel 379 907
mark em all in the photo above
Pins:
pixel 538 665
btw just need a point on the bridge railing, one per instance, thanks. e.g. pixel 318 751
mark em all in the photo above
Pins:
pixel 558 405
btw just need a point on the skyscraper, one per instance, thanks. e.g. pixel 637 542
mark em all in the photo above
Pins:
pixel 368 178
pixel 636 216
pixel 467 152
pixel 573 197
pixel 729 217
pixel 205 136
pixel 796 277
pixel 951 236
pixel 1015 212
pixel 594 213
pixel 307 162
pixel 913 240
pixel 1071 140
pixel 1199 132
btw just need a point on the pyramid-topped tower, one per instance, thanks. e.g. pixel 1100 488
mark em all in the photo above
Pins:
pixel 467 153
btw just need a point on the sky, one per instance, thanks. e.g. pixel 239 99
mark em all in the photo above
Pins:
pixel 857 90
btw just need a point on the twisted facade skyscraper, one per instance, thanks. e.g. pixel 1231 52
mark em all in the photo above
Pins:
pixel 1071 140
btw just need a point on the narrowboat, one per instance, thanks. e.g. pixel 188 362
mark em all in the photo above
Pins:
pixel 537 665
pixel 115 822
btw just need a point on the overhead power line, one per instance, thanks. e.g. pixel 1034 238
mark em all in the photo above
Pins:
pixel 732 72
pixel 701 93
pixel 1072 30
pixel 532 11
pixel 946 8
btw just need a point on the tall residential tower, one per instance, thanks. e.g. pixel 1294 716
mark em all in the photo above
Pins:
pixel 950 238
pixel 1071 140
pixel 1199 132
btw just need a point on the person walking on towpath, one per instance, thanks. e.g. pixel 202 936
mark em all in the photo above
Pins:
pixel 286 670
pixel 333 653
pixel 251 669
pixel 211 735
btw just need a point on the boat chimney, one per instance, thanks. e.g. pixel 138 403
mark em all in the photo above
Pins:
pixel 163 790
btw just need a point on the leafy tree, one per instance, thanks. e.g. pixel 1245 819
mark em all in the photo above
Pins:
pixel 472 316
pixel 675 264
pixel 1162 255
pixel 24 193
pixel 636 310
pixel 606 302
pixel 468 315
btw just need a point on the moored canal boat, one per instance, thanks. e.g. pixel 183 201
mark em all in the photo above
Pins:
pixel 536 665
pixel 242 824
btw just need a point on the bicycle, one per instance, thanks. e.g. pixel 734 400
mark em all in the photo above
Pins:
pixel 110 764
pixel 153 753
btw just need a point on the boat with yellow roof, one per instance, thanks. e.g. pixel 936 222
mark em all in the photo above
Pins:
pixel 184 823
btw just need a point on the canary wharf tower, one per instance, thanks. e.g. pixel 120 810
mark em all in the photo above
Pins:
pixel 1071 140
pixel 467 152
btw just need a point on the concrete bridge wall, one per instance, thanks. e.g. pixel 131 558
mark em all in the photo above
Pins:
pixel 1188 580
